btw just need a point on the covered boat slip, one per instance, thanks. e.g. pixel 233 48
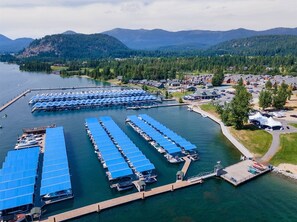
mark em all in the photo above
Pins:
pixel 156 136
pixel 108 152
pixel 17 180
pixel 126 146
pixel 55 183
pixel 180 141
pixel 63 101
pixel 98 94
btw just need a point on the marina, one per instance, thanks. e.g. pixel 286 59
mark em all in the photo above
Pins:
pixel 91 99
pixel 124 161
pixel 186 204
pixel 98 207
pixel 162 143
pixel 34 177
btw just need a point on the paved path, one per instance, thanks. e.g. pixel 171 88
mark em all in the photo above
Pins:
pixel 225 131
pixel 275 145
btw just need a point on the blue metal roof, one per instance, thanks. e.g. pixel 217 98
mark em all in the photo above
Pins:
pixel 16 202
pixel 18 177
pixel 55 165
pixel 121 173
pixel 123 141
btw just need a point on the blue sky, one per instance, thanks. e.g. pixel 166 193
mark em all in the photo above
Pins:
pixel 36 18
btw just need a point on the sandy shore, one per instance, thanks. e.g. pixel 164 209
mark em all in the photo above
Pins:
pixel 288 170
pixel 288 167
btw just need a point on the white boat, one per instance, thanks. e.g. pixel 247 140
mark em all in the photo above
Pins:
pixel 203 115
pixel 58 194
pixel 25 143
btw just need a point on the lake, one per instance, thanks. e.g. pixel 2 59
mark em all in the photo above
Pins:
pixel 268 198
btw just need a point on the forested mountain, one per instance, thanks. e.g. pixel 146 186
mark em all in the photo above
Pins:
pixel 269 45
pixel 192 39
pixel 75 46
pixel 8 45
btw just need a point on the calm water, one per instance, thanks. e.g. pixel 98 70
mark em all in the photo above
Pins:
pixel 269 198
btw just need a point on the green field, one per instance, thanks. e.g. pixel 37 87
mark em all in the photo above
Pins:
pixel 210 108
pixel 288 150
pixel 255 140
pixel 181 94
pixel 59 68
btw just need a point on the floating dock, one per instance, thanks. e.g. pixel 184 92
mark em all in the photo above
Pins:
pixel 97 207
pixel 242 172
pixel 157 106
pixel 36 130
pixel 96 99
pixel 163 139
pixel 14 100
pixel 118 153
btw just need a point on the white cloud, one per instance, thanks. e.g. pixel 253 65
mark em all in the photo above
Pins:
pixel 35 18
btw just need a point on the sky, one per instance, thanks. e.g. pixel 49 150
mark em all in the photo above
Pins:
pixel 36 18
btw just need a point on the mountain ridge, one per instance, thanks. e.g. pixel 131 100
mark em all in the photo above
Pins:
pixel 158 38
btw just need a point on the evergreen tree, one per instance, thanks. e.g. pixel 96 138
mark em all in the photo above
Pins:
pixel 265 99
pixel 268 84
pixel 240 106
pixel 279 100
pixel 218 78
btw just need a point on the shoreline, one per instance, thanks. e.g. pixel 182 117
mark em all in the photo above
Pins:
pixel 241 148
pixel 285 169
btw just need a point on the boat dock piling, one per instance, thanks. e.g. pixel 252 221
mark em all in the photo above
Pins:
pixel 14 100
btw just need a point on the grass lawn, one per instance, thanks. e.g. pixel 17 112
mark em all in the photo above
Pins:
pixel 288 150
pixel 293 124
pixel 59 68
pixel 210 108
pixel 180 94
pixel 255 140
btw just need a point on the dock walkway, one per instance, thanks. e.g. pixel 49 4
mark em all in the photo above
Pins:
pixel 14 100
pixel 93 208
pixel 186 165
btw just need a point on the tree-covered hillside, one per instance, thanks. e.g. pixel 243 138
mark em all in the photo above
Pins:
pixel 76 46
pixel 270 45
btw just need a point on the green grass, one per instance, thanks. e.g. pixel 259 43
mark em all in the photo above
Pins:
pixel 255 140
pixel 288 150
pixel 210 108
pixel 59 68
pixel 293 124
pixel 181 94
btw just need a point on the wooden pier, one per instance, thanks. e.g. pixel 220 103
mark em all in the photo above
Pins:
pixel 239 173
pixel 93 208
pixel 186 165
pixel 14 100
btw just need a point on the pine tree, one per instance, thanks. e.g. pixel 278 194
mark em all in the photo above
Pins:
pixel 265 99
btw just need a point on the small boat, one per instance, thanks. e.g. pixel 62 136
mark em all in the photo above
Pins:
pixel 58 194
pixel 1 126
pixel 258 166
pixel 4 116
pixel 150 180
pixel 25 143
pixel 190 109
pixel 203 115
